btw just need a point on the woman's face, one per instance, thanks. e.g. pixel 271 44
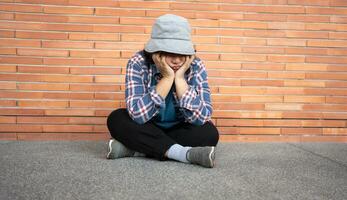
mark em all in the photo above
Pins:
pixel 175 61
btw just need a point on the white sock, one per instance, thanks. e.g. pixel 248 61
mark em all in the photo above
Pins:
pixel 178 152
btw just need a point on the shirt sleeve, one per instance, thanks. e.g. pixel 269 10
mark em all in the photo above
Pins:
pixel 195 103
pixel 142 103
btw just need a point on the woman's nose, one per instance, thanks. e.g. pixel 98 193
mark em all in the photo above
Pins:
pixel 176 60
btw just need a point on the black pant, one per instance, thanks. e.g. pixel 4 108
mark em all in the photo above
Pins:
pixel 155 141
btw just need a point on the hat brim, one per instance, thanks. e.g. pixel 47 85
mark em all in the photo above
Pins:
pixel 183 47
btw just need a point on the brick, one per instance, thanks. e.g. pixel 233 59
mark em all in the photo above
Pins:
pixel 118 46
pixel 69 112
pixel 91 104
pixel 7 34
pixel 68 44
pixel 109 79
pixel 93 20
pixel 8 68
pixel 309 2
pixel 330 59
pixel 95 36
pixel 242 90
pixel 263 66
pixel 61 136
pixel 327 76
pixel 338 19
pixel 43 86
pixel 43 104
pixel 110 62
pixel 321 27
pixel 7 16
pixel 134 37
pixel 87 120
pixel 17 111
pixel 284 91
pixel 285 58
pixel 265 33
pixel 94 54
pixel 262 99
pixel 243 24
pixel 7 85
pixel 242 41
pixel 20 127
pixel 265 17
pixel 336 84
pixel 119 12
pixel 219 15
pixel 8 51
pixel 235 106
pixel 334 115
pixel 99 3
pixel 136 21
pixel 263 50
pixel 52 2
pixel 306 51
pixel 325 91
pixel 41 35
pixel 236 74
pixel 223 81
pixel 193 6
pixel 208 56
pixel 21 60
pixel 94 71
pixel 139 4
pixel 337 52
pixel 307 34
pixel 41 18
pixel 95 88
pixel 283 106
pixel 243 114
pixel 67 128
pixel 225 98
pixel 68 61
pixel 265 8
pixel 185 14
pixel 285 42
pixel 41 120
pixel 21 8
pixel 204 40
pixel 327 43
pixel 303 99
pixel 286 75
pixel 281 123
pixel 242 57
pixel 272 83
pixel 42 52
pixel 19 43
pixel 7 103
pixel 43 70
pixel 335 131
pixel 204 23
pixel 222 65
pixel 302 131
pixel 342 100
pixel 111 96
pixel 286 25
pixel 217 48
pixel 323 123
pixel 325 107
pixel 68 27
pixel 326 10
pixel 303 83
pixel 337 35
pixel 239 122
pixel 75 95
pixel 338 3
pixel 306 67
pixel 308 18
pixel 68 10
pixel 265 131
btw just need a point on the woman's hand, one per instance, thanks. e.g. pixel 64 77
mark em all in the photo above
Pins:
pixel 162 66
pixel 180 72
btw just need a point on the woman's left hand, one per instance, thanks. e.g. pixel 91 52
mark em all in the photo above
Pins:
pixel 180 72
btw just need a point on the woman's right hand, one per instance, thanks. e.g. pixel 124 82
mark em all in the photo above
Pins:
pixel 162 66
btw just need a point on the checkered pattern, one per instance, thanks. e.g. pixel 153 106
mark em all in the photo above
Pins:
pixel 143 101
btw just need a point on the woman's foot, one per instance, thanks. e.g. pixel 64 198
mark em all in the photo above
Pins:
pixel 203 156
pixel 118 150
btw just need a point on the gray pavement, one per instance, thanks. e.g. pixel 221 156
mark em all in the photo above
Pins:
pixel 79 170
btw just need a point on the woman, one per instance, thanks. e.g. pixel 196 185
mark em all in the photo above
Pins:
pixel 168 101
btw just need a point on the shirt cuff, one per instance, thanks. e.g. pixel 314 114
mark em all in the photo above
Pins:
pixel 159 101
pixel 187 98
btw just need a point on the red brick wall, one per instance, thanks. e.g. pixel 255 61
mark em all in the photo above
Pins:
pixel 277 68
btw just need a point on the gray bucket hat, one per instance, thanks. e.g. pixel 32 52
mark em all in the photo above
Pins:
pixel 171 33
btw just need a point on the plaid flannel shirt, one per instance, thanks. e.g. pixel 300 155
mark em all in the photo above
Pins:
pixel 143 102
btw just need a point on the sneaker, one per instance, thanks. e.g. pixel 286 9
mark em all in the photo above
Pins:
pixel 118 150
pixel 203 156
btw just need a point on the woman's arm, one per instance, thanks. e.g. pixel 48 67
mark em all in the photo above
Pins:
pixel 195 96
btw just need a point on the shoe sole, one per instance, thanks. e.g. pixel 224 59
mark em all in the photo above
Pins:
pixel 212 157
pixel 109 149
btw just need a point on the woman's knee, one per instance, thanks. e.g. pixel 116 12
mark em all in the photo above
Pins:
pixel 114 120
pixel 212 133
